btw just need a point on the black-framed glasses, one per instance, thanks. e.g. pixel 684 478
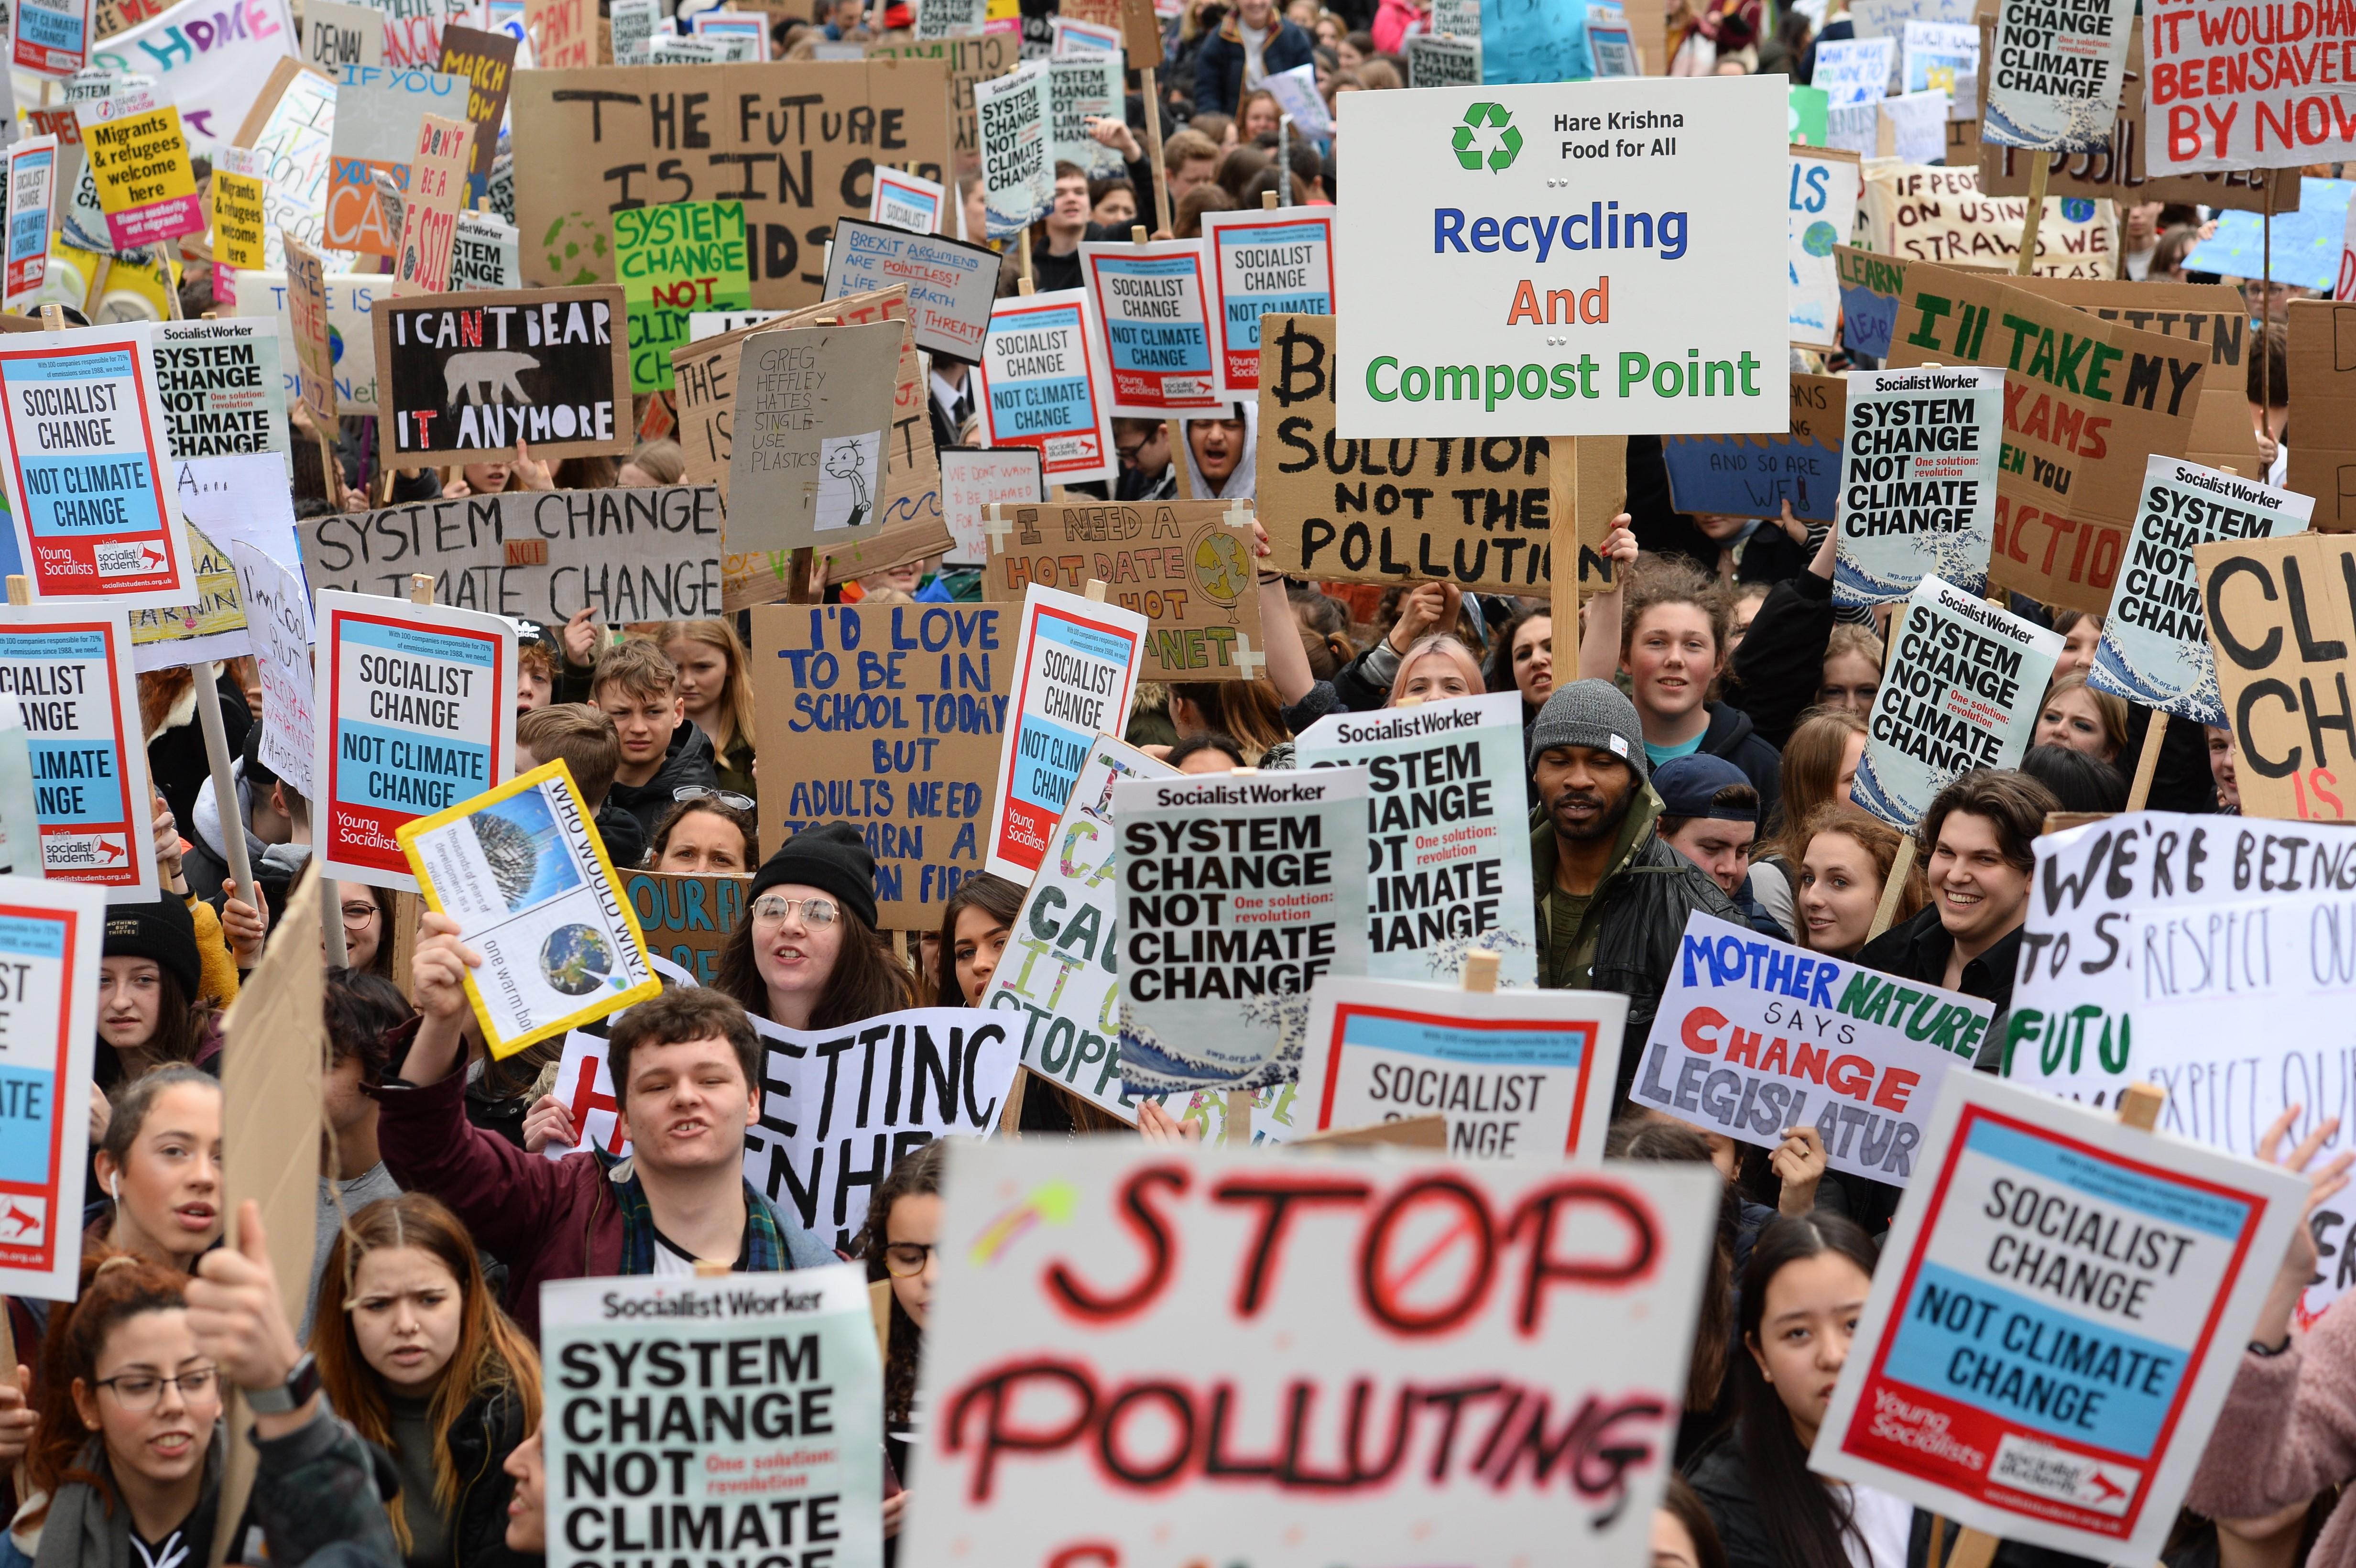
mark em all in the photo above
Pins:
pixel 728 798
pixel 906 1260
pixel 140 1391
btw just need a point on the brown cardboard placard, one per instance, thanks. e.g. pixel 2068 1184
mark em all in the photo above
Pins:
pixel 1185 566
pixel 687 919
pixel 2087 402
pixel 2322 365
pixel 561 36
pixel 307 307
pixel 886 717
pixel 813 415
pixel 429 219
pixel 968 60
pixel 2281 623
pixel 457 373
pixel 793 141
pixel 1928 212
pixel 487 63
pixel 1461 509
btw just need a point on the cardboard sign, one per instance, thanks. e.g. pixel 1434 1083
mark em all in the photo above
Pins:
pixel 240 213
pixel 81 413
pixel 784 1368
pixel 2322 366
pixel 52 37
pixel 31 180
pixel 138 158
pixel 630 554
pixel 2086 403
pixel 50 934
pixel 967 62
pixel 1018 175
pixel 1033 1318
pixel 1238 893
pixel 487 63
pixel 1151 302
pixel 429 218
pixel 897 712
pixel 69 668
pixel 1476 512
pixel 415 712
pixel 211 628
pixel 380 114
pixel 1076 670
pixel 973 480
pixel 671 259
pixel 1447 824
pixel 278 621
pixel 2279 616
pixel 528 879
pixel 1522 1074
pixel 903 202
pixel 951 285
pixel 1443 62
pixel 2055 75
pixel 1854 70
pixel 467 376
pixel 1924 214
pixel 2242 88
pixel 561 36
pixel 2059 1313
pixel 307 307
pixel 1918 488
pixel 1578 355
pixel 1754 475
pixel 1825 185
pixel 617 126
pixel 1260 264
pixel 1754 1036
pixel 1961 691
pixel 749 29
pixel 2154 646
pixel 831 1119
pixel 484 253
pixel 814 409
pixel 1185 566
pixel 335 35
pixel 686 919
pixel 1044 385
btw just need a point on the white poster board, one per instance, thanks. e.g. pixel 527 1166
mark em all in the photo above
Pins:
pixel 1826 183
pixel 2055 78
pixel 1152 302
pixel 1075 668
pixel 1264 263
pixel 974 479
pixel 278 629
pixel 50 934
pixel 68 665
pixel 1920 451
pixel 1044 385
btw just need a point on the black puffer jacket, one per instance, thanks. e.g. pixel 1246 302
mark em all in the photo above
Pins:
pixel 689 761
pixel 482 1437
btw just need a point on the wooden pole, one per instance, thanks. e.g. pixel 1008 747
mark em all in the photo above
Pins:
pixel 1237 1129
pixel 331 923
pixel 407 908
pixel 1892 890
pixel 2148 761
pixel 1480 973
pixel 20 588
pixel 1167 213
pixel 1022 255
pixel 2266 317
pixel 209 718
pixel 2039 170
pixel 171 292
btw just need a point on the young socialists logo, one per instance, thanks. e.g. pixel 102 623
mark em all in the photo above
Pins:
pixel 1488 135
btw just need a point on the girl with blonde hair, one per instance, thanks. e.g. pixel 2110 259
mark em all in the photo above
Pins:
pixel 716 681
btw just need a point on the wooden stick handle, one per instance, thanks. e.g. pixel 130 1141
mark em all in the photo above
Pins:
pixel 2147 761
pixel 1894 889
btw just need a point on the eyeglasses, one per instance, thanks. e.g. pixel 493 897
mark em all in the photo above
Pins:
pixel 906 1260
pixel 1129 450
pixel 728 798
pixel 140 1391
pixel 358 913
pixel 771 909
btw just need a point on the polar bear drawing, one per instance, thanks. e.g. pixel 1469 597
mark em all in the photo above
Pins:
pixel 486 376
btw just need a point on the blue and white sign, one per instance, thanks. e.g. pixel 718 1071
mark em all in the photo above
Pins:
pixel 1264 263
pixel 1044 384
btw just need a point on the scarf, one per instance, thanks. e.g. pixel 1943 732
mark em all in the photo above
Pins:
pixel 81 1530
pixel 764 1245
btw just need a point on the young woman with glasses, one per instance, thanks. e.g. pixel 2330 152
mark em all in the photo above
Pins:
pixel 904 1221
pixel 367 928
pixel 807 954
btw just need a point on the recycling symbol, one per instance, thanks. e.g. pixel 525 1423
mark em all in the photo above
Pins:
pixel 1488 129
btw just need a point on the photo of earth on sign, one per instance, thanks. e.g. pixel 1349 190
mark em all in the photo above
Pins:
pixel 576 959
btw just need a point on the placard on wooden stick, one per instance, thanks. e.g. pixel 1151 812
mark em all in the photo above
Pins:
pixel 463 377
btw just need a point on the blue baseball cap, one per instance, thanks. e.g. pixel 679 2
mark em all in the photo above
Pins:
pixel 1686 784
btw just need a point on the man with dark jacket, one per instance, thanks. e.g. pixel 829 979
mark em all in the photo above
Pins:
pixel 662 753
pixel 1253 44
pixel 1612 899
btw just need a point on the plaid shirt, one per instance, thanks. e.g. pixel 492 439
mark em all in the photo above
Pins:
pixel 764 1245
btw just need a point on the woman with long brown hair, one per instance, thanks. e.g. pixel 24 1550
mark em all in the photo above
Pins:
pixel 1845 865
pixel 715 682
pixel 414 1351
pixel 807 954
pixel 975 925
pixel 904 1221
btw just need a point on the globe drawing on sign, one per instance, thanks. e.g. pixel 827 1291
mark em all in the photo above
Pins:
pixel 1222 570
pixel 576 959
pixel 1820 239
pixel 573 249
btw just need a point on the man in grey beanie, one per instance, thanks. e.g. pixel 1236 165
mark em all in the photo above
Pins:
pixel 1612 899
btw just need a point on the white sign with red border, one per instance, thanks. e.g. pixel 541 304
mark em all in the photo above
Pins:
pixel 2061 1308
pixel 905 201
pixel 69 668
pixel 1044 384
pixel 1153 304
pixel 1076 663
pixel 1264 263
pixel 50 934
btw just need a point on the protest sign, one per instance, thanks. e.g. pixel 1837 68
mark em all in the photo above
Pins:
pixel 814 408
pixel 290 132
pixel 2304 246
pixel 585 1087
pixel 835 1119
pixel 429 217
pixel 1532 44
pixel 950 19
pixel 31 180
pixel 211 628
pixel 1151 302
pixel 1918 486
pixel 696 48
pixel 1075 38
pixel 1755 475
pixel 630 554
pixel 466 376
pixel 487 63
pixel 1912 128
pixel 278 623
pixel 335 35
pixel 2242 86
pixel 1264 263
pixel 903 202
pixel 1809 107
pixel 750 30
pixel 1855 128
pixel 1609 46
pixel 1475 512
pixel 414 711
pixel 627 144
pixel 241 211
pixel 20 829
pixel 1854 70
pixel 1826 185
pixel 1044 385
pixel 210 61
pixel 561 32
pixel 968 61
pixel 69 668
pixel 81 413
pixel 1017 174
pixel 484 253
pixel 306 290
pixel 1443 62
pixel 2055 74
pixel 976 478
pixel 1927 214
pixel 1185 566
pixel 529 884
pixel 2086 403
pixel 139 161
pixel 1935 56
pixel 1960 691
pixel 2059 1313
pixel 1521 1075
pixel 1695 183
pixel 1421 1290
pixel 52 37
pixel 687 919
pixel 379 112
pixel 2321 364
pixel 2279 623
pixel 897 711
pixel 1887 18
pixel 1079 88
pixel 2154 646
pixel 671 259
pixel 951 285
pixel 415 29
pixel 769 1390
pixel 1238 893
pixel 1077 663
pixel 632 26
pixel 1754 1036
pixel 51 935
pixel 1447 826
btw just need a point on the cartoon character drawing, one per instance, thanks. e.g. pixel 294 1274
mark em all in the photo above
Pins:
pixel 486 376
pixel 845 463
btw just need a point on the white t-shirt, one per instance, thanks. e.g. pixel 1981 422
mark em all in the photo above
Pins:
pixel 1255 41
pixel 671 1263
pixel 1886 1522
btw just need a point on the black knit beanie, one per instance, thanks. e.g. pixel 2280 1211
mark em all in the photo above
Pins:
pixel 831 857
pixel 163 930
